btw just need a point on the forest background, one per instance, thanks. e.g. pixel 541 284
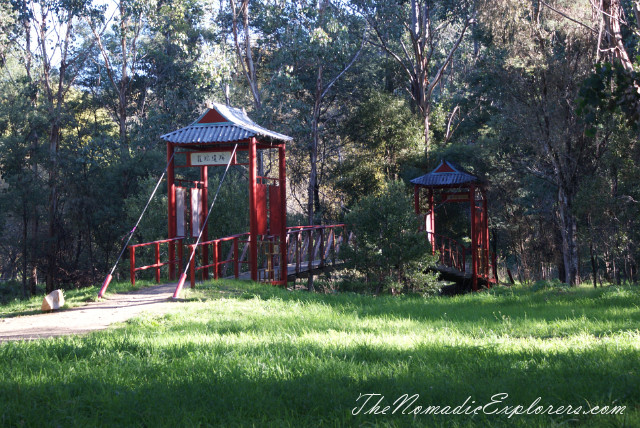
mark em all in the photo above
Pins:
pixel 538 98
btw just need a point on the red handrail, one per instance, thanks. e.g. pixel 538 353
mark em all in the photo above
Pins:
pixel 320 246
pixel 216 263
pixel 157 265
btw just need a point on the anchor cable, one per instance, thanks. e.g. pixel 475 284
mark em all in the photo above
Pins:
pixel 107 280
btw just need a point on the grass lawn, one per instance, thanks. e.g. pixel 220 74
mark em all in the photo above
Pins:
pixel 241 354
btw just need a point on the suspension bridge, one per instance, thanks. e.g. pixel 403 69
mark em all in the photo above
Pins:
pixel 270 251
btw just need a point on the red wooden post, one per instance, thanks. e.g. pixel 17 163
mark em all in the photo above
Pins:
pixel 282 175
pixel 171 190
pixel 205 228
pixel 236 267
pixel 132 264
pixel 321 232
pixel 474 237
pixel 157 262
pixel 216 253
pixel 416 199
pixel 253 219
pixel 485 234
pixel 431 219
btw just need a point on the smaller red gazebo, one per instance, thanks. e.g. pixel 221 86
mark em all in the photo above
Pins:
pixel 449 182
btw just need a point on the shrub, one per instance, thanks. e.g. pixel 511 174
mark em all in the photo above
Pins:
pixel 388 249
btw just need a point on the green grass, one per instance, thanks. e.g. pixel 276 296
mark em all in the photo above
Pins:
pixel 11 303
pixel 240 354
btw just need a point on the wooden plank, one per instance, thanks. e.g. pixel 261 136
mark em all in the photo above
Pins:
pixel 327 250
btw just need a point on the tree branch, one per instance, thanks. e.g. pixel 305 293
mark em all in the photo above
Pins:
pixel 438 75
pixel 568 17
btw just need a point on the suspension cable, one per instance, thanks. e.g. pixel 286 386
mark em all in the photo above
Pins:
pixel 183 276
pixel 107 280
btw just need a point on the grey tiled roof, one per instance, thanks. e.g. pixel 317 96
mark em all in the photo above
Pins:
pixel 236 127
pixel 454 175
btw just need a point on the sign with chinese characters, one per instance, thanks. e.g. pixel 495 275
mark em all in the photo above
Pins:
pixel 209 158
pixel 456 197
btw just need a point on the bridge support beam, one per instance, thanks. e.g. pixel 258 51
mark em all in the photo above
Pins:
pixel 204 178
pixel 282 176
pixel 474 237
pixel 171 190
pixel 253 212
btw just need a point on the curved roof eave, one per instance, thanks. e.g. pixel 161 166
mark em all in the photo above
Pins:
pixel 231 125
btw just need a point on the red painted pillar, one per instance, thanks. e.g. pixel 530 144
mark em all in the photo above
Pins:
pixel 171 190
pixel 253 214
pixel 474 238
pixel 216 253
pixel 432 211
pixel 236 266
pixel 205 227
pixel 283 217
pixel 157 263
pixel 416 199
pixel 132 264
pixel 485 235
pixel 431 219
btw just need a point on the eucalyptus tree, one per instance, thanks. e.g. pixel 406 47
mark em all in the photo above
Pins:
pixel 544 57
pixel 422 36
pixel 62 48
pixel 118 40
pixel 305 49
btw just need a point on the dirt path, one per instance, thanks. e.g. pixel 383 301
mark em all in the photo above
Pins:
pixel 111 309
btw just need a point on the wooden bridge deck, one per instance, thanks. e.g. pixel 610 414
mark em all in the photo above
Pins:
pixel 291 270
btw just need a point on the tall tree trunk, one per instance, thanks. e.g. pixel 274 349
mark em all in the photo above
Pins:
pixel 123 84
pixel 52 238
pixel 25 288
pixel 612 16
pixel 245 58
pixel 33 136
pixel 312 191
pixel 594 265
pixel 426 135
pixel 568 229
pixel 313 149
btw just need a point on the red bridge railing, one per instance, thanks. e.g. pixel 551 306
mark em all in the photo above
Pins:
pixel 452 254
pixel 157 263
pixel 307 247
pixel 219 263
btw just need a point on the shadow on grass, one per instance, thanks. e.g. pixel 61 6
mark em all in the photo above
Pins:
pixel 113 380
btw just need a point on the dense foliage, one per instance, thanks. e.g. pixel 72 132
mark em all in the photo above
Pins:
pixel 387 246
pixel 531 96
